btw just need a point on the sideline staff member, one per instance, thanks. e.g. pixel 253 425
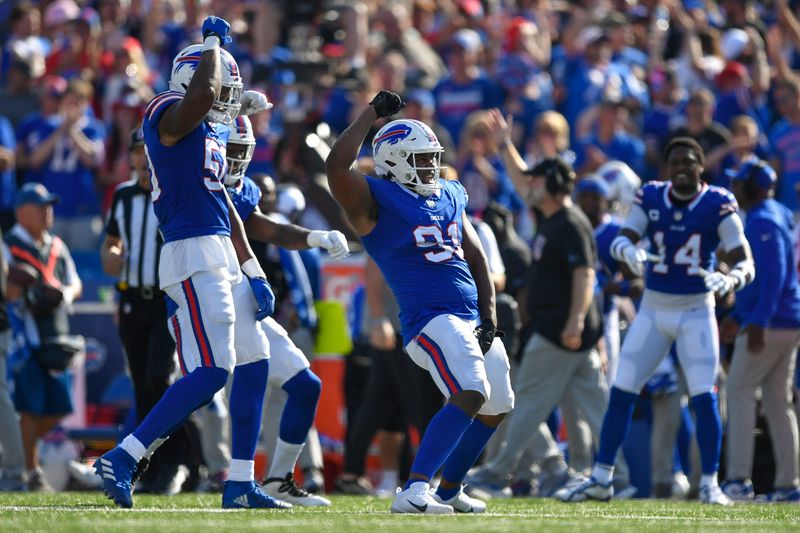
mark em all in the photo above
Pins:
pixel 559 362
pixel 130 252
pixel 765 327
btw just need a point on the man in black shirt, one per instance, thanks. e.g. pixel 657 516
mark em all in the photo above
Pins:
pixel 559 362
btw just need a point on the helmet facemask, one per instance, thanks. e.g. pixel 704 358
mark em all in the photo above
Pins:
pixel 421 173
pixel 227 105
pixel 238 155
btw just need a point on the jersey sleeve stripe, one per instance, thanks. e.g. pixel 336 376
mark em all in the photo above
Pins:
pixel 155 99
pixel 156 102
pixel 162 102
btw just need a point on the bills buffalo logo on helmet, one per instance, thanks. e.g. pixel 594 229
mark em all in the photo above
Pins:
pixel 393 135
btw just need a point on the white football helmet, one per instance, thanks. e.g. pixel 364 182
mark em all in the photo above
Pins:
pixel 239 150
pixel 227 105
pixel 396 148
pixel 622 181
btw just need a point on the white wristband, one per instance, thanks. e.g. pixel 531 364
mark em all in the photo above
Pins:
pixel 211 43
pixel 252 269
pixel 314 238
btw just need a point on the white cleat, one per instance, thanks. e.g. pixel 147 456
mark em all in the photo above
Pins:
pixel 417 499
pixel 461 503
pixel 288 490
pixel 712 494
pixel 588 489
pixel 680 486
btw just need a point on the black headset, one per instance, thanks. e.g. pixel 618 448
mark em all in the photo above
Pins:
pixel 750 186
pixel 558 175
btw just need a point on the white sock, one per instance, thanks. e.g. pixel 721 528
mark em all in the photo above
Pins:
pixel 153 447
pixel 708 480
pixel 284 458
pixel 388 480
pixel 134 447
pixel 242 470
pixel 603 473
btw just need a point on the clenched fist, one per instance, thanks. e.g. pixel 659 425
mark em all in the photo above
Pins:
pixel 387 103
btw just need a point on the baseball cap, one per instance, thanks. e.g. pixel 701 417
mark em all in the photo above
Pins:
pixel 733 72
pixel 61 11
pixel 763 174
pixel 54 86
pixel 590 35
pixel 467 39
pixel 422 97
pixel 137 138
pixel 615 19
pixel 592 183
pixel 733 43
pixel 473 8
pixel 35 193
pixel 290 200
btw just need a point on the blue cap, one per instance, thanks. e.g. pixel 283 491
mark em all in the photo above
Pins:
pixel 423 97
pixel 592 183
pixel 35 193
pixel 763 174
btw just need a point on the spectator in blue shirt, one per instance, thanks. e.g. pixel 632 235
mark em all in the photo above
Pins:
pixel 610 141
pixel 482 172
pixel 8 181
pixel 466 89
pixel 667 109
pixel 784 140
pixel 64 150
pixel 593 76
pixel 765 327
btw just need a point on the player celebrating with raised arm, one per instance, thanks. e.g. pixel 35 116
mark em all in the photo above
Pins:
pixel 412 222
pixel 214 320
pixel 289 368
pixel 685 221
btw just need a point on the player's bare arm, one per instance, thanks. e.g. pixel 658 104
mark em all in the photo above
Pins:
pixel 243 251
pixel 348 185
pixel 204 88
pixel 262 228
pixel 479 267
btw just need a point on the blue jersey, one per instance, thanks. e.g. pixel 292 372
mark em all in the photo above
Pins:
pixel 63 173
pixel 417 245
pixel 186 179
pixel 685 237
pixel 245 197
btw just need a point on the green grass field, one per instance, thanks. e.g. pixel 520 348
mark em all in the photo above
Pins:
pixel 201 514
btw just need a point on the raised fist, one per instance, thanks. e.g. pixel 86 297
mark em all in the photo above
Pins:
pixel 387 103
pixel 219 27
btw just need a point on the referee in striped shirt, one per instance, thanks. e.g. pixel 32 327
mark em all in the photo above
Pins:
pixel 130 252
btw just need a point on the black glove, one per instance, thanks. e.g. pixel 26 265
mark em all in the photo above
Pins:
pixel 485 333
pixel 387 103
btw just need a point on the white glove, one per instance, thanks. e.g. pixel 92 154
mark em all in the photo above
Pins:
pixel 332 241
pixel 719 283
pixel 635 258
pixel 253 102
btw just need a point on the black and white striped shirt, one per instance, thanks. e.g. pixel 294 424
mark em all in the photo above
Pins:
pixel 132 219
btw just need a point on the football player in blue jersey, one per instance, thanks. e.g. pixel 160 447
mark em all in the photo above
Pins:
pixel 289 368
pixel 685 221
pixel 412 223
pixel 214 315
